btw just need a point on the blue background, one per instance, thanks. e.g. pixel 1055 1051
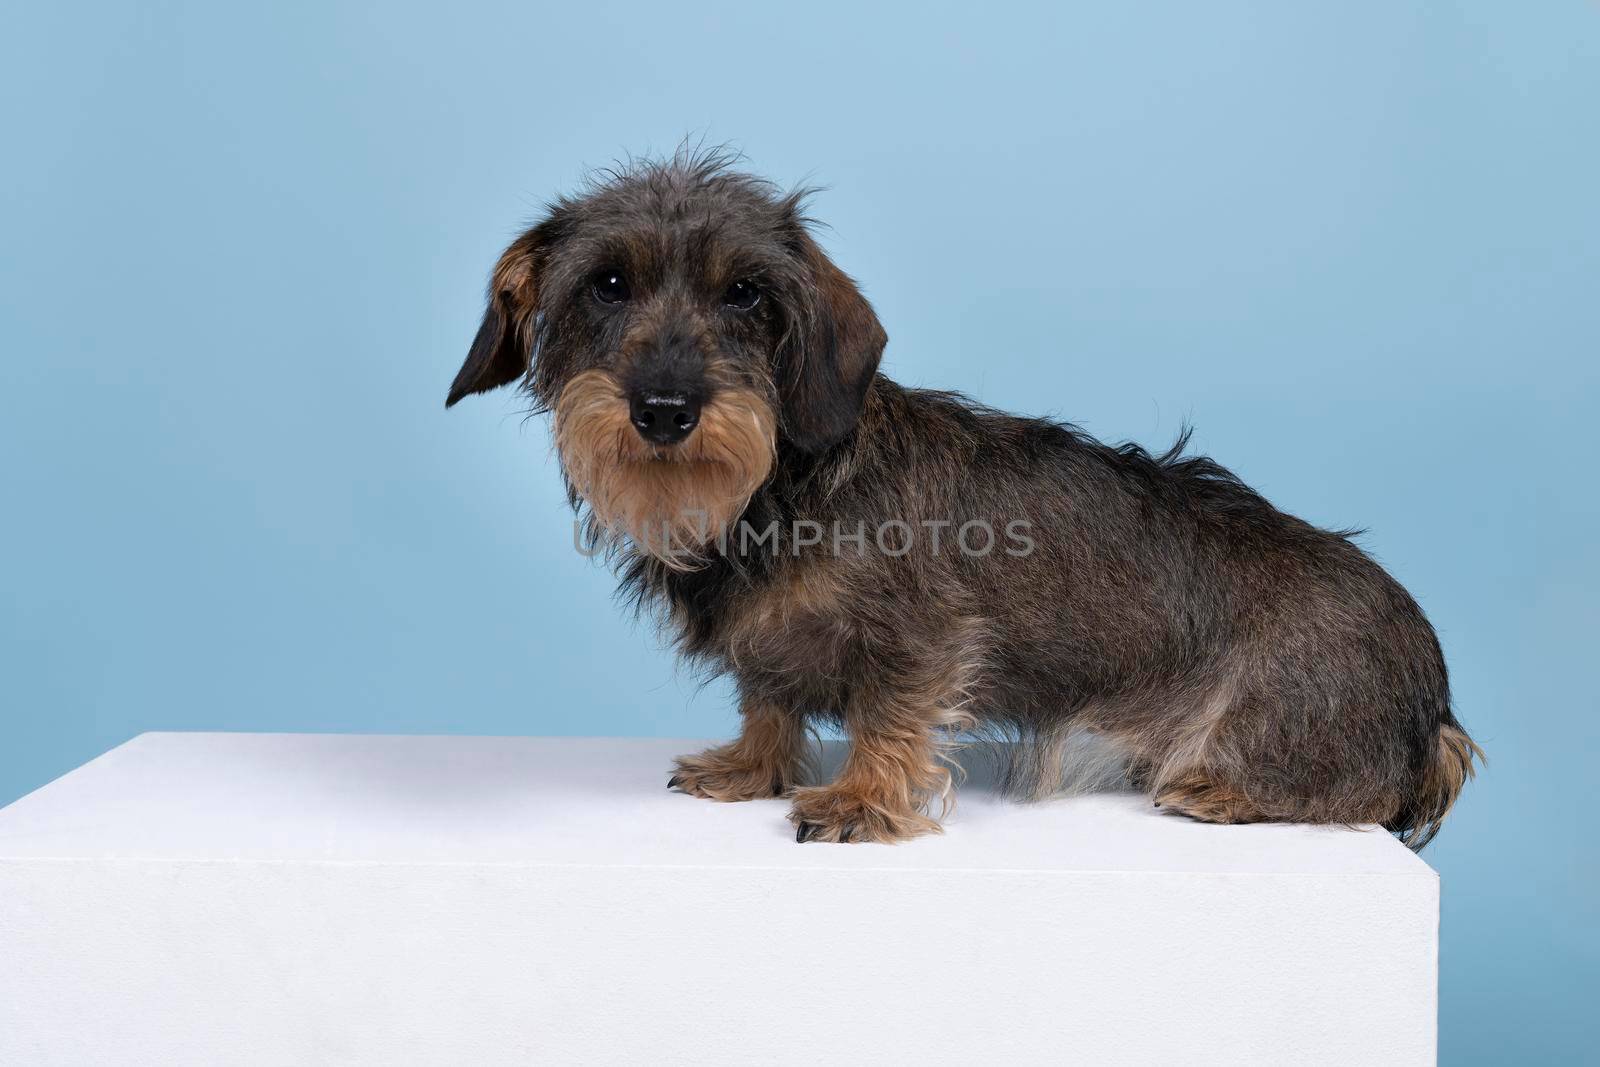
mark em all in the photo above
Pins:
pixel 244 248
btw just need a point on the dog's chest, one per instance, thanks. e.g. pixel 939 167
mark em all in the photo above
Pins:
pixel 796 624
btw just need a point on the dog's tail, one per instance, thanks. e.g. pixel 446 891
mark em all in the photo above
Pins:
pixel 1449 768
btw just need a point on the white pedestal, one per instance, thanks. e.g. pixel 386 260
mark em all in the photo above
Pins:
pixel 304 899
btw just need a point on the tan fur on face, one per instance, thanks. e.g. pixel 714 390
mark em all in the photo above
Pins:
pixel 668 502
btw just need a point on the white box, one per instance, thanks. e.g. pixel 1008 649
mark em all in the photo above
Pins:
pixel 307 899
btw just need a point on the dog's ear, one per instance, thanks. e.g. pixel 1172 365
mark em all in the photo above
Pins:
pixel 499 353
pixel 831 355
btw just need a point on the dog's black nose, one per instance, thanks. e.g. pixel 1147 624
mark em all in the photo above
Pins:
pixel 664 417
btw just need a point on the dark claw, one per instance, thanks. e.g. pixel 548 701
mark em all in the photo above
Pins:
pixel 803 831
pixel 674 782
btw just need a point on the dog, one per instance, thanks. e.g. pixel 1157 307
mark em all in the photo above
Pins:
pixel 916 569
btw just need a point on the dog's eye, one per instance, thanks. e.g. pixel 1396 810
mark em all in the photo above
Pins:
pixel 610 287
pixel 742 296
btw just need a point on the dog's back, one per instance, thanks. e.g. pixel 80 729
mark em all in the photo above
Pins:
pixel 1242 660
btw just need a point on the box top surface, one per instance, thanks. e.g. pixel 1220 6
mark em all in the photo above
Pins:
pixel 584 801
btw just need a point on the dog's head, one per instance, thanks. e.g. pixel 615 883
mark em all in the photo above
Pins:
pixel 683 325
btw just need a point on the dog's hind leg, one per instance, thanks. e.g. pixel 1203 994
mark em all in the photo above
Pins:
pixel 765 760
pixel 1207 800
pixel 1192 772
pixel 1278 743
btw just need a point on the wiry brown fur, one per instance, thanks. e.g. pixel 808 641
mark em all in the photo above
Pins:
pixel 1235 662
pixel 666 501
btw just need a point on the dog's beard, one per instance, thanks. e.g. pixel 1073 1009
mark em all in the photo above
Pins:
pixel 671 502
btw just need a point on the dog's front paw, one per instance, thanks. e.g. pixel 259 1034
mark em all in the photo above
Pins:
pixel 829 813
pixel 719 774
